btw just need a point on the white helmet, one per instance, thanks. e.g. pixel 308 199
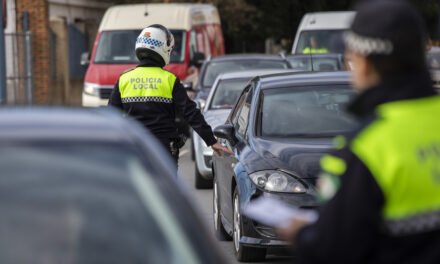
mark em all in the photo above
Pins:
pixel 156 38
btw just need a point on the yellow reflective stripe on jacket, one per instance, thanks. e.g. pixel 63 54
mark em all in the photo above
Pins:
pixel 402 151
pixel 147 84
pixel 314 51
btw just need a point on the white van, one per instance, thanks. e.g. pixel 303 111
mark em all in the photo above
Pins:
pixel 322 32
pixel 197 34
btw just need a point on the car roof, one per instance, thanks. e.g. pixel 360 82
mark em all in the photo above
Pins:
pixel 62 123
pixel 252 73
pixel 284 79
pixel 256 56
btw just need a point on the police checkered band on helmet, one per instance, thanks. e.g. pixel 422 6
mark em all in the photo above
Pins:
pixel 147 99
pixel 415 224
pixel 366 45
pixel 149 41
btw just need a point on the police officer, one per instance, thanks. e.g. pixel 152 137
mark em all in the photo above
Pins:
pixel 382 185
pixel 155 96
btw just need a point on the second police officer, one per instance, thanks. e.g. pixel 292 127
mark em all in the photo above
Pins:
pixel 155 96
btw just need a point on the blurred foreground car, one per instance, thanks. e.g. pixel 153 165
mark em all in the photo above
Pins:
pixel 278 130
pixel 91 187
pixel 317 62
pixel 222 97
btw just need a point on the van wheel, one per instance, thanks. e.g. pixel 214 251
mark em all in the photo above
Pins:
pixel 200 182
pixel 243 253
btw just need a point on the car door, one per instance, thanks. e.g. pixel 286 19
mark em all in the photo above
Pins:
pixel 240 122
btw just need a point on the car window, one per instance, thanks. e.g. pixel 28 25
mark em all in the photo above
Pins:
pixel 320 41
pixel 315 63
pixel 243 117
pixel 311 111
pixel 226 93
pixel 215 68
pixel 83 202
pixel 239 105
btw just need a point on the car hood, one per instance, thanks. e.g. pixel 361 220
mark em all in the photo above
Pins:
pixel 299 156
pixel 216 117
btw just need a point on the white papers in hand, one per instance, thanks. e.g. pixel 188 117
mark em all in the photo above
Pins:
pixel 275 213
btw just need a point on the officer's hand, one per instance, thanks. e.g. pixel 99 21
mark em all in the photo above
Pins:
pixel 290 231
pixel 219 149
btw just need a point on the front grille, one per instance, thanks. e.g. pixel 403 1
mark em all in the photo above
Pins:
pixel 104 93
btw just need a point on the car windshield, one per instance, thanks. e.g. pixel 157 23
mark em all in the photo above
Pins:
pixel 320 41
pixel 214 69
pixel 227 92
pixel 117 47
pixel 313 111
pixel 315 63
pixel 433 59
pixel 84 203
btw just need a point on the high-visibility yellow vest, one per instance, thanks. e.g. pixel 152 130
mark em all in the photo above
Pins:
pixel 309 50
pixel 401 149
pixel 147 84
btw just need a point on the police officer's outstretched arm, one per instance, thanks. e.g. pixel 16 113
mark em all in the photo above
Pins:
pixel 188 109
pixel 115 97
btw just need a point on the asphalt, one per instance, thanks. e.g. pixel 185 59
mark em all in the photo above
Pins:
pixel 203 199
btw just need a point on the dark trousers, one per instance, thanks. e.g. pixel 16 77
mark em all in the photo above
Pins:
pixel 174 152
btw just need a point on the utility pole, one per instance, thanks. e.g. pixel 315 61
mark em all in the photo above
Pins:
pixel 2 56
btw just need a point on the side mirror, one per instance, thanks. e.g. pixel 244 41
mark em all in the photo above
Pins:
pixel 198 59
pixel 85 59
pixel 226 131
pixel 188 86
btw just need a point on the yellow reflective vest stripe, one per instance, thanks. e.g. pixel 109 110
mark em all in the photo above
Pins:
pixel 147 84
pixel 314 51
pixel 402 151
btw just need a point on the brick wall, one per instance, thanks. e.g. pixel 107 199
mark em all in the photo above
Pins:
pixel 39 27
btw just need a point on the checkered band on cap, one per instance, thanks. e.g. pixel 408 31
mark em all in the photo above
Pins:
pixel 147 99
pixel 366 45
pixel 149 41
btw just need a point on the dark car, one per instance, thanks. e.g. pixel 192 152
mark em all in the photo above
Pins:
pixel 278 130
pixel 91 187
pixel 433 60
pixel 215 66
pixel 317 62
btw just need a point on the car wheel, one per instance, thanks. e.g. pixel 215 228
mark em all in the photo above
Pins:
pixel 220 231
pixel 200 182
pixel 243 253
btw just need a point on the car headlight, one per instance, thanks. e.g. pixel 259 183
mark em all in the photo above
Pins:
pixel 91 89
pixel 277 181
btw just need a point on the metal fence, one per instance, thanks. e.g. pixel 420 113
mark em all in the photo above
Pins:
pixel 19 74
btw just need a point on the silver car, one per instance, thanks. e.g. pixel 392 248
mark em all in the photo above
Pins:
pixel 222 97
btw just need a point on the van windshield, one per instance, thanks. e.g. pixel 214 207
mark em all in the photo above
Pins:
pixel 320 42
pixel 117 47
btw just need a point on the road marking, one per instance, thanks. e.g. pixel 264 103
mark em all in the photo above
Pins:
pixel 183 152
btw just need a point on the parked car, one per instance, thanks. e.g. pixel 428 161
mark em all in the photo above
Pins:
pixel 317 62
pixel 278 130
pixel 322 31
pixel 433 60
pixel 222 97
pixel 213 67
pixel 91 187
pixel 196 29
